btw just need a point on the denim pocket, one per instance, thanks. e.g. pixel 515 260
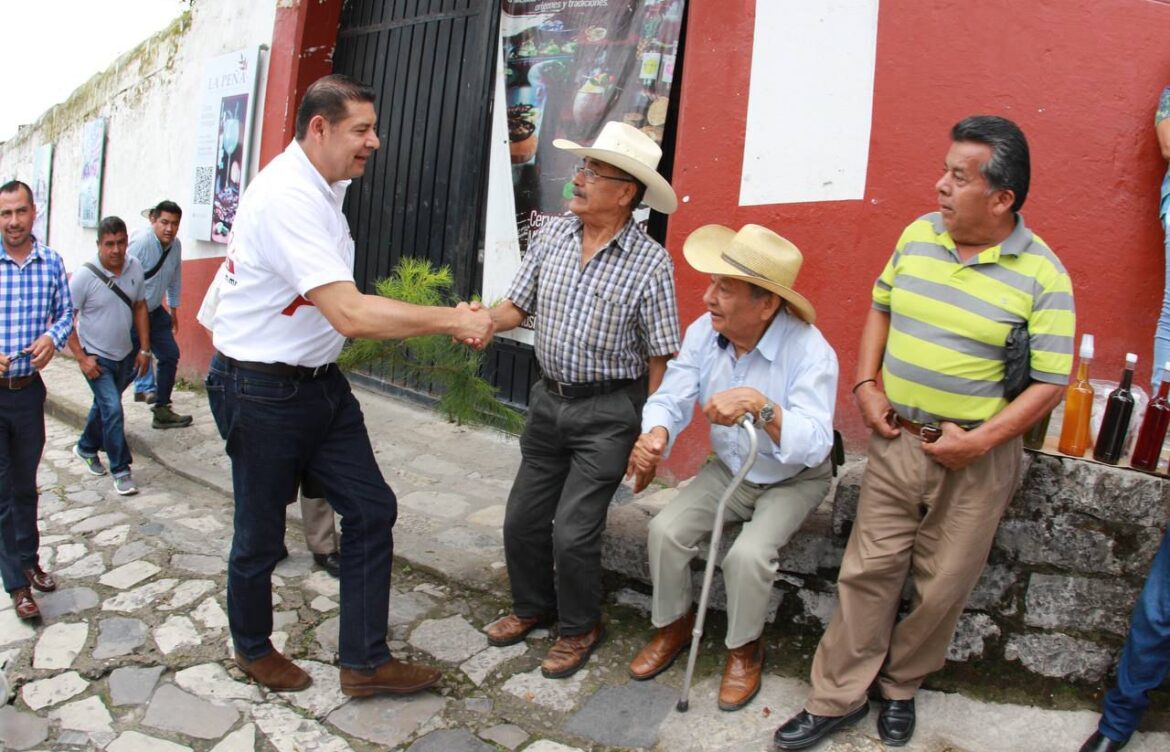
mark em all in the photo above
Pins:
pixel 265 390
pixel 216 398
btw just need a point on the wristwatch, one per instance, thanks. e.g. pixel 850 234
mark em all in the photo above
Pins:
pixel 767 412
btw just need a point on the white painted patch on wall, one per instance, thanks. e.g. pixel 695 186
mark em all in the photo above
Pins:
pixel 810 106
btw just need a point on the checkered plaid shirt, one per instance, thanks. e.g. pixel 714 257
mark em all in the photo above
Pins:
pixel 601 322
pixel 34 300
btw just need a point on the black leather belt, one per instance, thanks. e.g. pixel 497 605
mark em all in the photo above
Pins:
pixel 284 370
pixel 16 383
pixel 586 389
pixel 928 432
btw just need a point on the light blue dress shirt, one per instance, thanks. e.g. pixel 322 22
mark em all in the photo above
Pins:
pixel 792 365
pixel 145 246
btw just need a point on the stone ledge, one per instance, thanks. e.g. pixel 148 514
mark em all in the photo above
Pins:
pixel 1067 565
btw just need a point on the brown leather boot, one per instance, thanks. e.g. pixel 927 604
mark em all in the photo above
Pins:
pixel 512 629
pixel 741 675
pixel 275 672
pixel 391 678
pixel 571 653
pixel 663 648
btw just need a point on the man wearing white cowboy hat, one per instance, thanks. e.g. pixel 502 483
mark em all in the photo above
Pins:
pixel 606 323
pixel 754 351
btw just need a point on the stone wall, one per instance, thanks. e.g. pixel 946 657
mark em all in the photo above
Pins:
pixel 1068 562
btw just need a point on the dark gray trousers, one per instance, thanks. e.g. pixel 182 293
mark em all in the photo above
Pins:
pixel 574 454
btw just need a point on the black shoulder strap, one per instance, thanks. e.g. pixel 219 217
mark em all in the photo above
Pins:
pixel 109 282
pixel 161 259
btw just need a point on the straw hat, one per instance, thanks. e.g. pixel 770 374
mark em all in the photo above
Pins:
pixel 629 149
pixel 756 255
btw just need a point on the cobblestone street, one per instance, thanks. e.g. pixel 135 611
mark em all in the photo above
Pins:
pixel 133 651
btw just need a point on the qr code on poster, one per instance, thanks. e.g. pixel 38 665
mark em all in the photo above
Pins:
pixel 203 179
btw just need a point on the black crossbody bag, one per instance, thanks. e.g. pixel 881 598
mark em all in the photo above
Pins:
pixel 109 282
pixel 161 259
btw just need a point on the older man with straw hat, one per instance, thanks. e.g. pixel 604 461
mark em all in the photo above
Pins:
pixel 606 323
pixel 754 351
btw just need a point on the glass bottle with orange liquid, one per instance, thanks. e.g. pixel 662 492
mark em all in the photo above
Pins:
pixel 1078 406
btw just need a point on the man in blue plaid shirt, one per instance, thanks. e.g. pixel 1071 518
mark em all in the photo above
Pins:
pixel 36 316
pixel 603 295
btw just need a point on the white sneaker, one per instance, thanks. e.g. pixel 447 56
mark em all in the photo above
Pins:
pixel 125 485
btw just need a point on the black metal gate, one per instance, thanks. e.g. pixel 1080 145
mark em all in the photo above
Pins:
pixel 431 62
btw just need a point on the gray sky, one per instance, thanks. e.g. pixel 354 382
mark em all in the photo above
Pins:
pixel 54 46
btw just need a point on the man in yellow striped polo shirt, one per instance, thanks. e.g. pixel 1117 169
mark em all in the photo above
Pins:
pixel 944 456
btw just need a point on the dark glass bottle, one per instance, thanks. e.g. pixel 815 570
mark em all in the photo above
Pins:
pixel 1118 409
pixel 1148 450
pixel 1036 435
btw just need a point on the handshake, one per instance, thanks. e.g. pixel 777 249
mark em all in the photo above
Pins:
pixel 474 326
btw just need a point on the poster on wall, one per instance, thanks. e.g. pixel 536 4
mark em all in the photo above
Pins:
pixel 93 148
pixel 223 143
pixel 42 178
pixel 567 69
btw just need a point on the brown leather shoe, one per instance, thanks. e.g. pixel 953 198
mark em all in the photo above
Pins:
pixel 571 653
pixel 663 648
pixel 40 579
pixel 275 672
pixel 26 607
pixel 512 629
pixel 741 675
pixel 391 678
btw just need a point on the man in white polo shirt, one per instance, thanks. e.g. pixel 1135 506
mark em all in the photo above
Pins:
pixel 287 301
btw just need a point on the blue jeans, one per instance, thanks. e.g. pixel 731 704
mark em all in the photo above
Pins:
pixel 1162 333
pixel 145 383
pixel 278 429
pixel 166 352
pixel 105 428
pixel 22 438
pixel 1145 659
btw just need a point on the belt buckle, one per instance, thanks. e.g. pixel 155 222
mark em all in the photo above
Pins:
pixel 559 388
pixel 930 432
pixel 317 371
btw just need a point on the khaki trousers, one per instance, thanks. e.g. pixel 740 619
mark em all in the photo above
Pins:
pixel 771 515
pixel 915 516
pixel 320 534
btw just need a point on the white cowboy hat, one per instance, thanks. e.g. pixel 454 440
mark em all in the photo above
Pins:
pixel 756 255
pixel 629 149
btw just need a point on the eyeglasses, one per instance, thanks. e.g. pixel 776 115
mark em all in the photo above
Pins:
pixel 592 175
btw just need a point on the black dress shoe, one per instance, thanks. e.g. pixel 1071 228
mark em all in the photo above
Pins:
pixel 804 729
pixel 896 721
pixel 1098 742
pixel 331 563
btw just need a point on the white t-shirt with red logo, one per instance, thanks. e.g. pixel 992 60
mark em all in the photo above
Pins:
pixel 289 237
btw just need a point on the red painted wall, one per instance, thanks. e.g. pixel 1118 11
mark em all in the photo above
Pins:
pixel 1081 77
pixel 303 38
